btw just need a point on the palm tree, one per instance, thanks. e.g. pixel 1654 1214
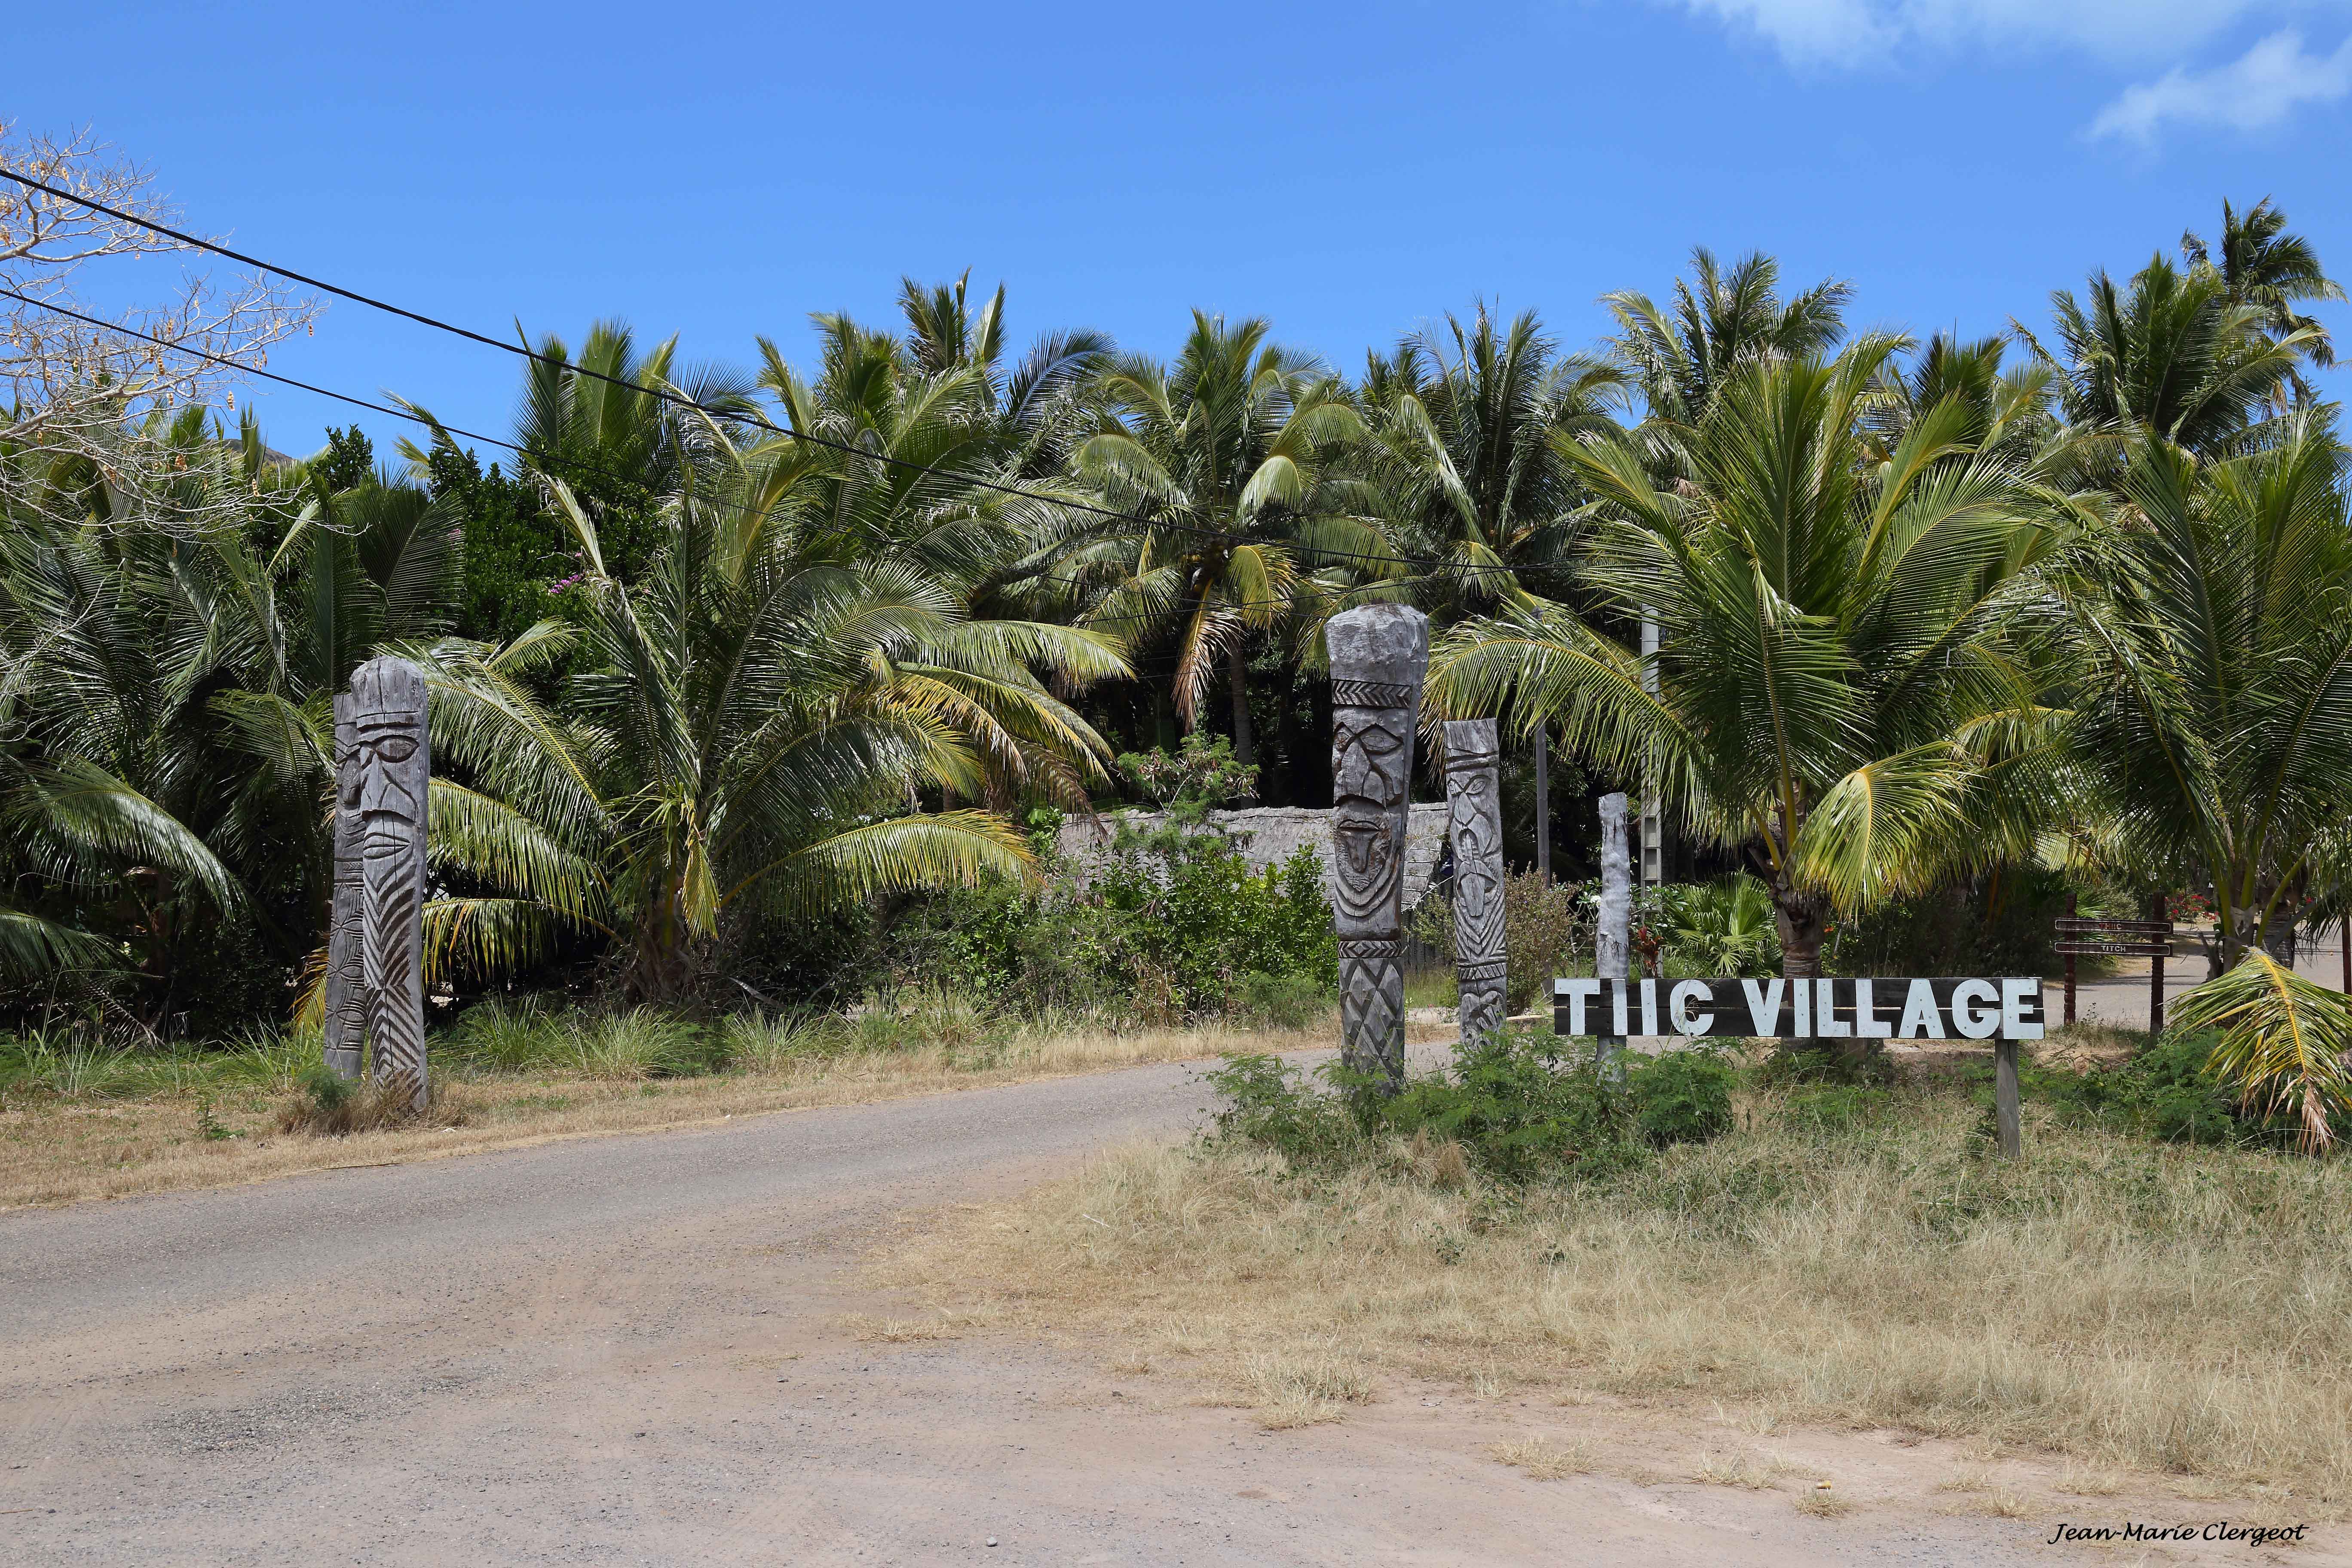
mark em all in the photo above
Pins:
pixel 1677 357
pixel 2213 634
pixel 597 422
pixel 1831 687
pixel 172 682
pixel 2264 265
pixel 2009 408
pixel 1468 459
pixel 2172 354
pixel 1037 407
pixel 758 718
pixel 1221 454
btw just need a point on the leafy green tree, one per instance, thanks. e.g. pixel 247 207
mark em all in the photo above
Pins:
pixel 171 689
pixel 1833 689
pixel 621 451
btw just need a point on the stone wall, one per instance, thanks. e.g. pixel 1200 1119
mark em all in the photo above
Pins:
pixel 1268 836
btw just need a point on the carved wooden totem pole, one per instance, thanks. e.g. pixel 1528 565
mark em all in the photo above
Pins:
pixel 346 1000
pixel 1473 808
pixel 1378 654
pixel 381 779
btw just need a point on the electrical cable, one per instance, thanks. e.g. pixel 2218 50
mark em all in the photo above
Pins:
pixel 681 400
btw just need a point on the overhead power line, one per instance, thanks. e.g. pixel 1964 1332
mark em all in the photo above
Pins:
pixel 677 399
pixel 439 427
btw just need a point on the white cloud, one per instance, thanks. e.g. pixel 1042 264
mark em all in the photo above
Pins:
pixel 2258 89
pixel 1850 32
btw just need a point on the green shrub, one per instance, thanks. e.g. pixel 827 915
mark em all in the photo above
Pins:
pixel 1283 1001
pixel 1546 933
pixel 1721 928
pixel 2164 1092
pixel 1172 926
pixel 1517 1113
pixel 1681 1096
pixel 328 1091
pixel 1274 1105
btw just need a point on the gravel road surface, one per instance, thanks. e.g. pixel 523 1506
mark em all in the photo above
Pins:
pixel 632 1349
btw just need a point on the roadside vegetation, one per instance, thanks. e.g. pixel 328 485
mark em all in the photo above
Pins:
pixel 82 1120
pixel 2159 1285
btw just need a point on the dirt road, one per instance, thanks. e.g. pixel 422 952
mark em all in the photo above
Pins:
pixel 634 1350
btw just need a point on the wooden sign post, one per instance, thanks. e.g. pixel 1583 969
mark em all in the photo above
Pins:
pixel 2003 1009
pixel 2148 939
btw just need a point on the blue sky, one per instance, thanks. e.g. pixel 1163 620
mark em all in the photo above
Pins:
pixel 1350 172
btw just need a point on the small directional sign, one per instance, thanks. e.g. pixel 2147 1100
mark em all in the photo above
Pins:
pixel 2005 1007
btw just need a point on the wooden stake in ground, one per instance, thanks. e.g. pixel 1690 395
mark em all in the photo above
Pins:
pixel 2004 1098
pixel 391 775
pixel 345 1020
pixel 2070 962
pixel 1475 819
pixel 1613 942
pixel 1378 654
pixel 2159 913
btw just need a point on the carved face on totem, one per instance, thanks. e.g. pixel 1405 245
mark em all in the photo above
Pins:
pixel 378 785
pixel 1371 764
pixel 384 777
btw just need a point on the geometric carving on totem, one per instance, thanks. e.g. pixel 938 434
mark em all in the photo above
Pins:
pixel 386 792
pixel 1378 656
pixel 1371 1008
pixel 1475 821
pixel 345 1018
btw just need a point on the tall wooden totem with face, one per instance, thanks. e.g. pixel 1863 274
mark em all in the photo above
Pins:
pixel 375 948
pixel 1474 810
pixel 1378 654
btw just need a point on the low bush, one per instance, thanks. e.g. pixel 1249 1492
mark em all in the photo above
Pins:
pixel 1682 1097
pixel 1170 923
pixel 1515 1111
pixel 2166 1090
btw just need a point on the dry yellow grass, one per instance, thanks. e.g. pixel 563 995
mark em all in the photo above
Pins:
pixel 2125 1304
pixel 1744 1471
pixel 60 1150
pixel 1543 1459
pixel 900 1330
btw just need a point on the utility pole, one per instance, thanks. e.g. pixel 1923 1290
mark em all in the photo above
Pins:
pixel 1543 802
pixel 1654 822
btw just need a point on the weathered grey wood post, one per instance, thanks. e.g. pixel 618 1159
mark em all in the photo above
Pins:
pixel 1378 654
pixel 1473 807
pixel 386 792
pixel 345 1012
pixel 1613 942
pixel 2004 1098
